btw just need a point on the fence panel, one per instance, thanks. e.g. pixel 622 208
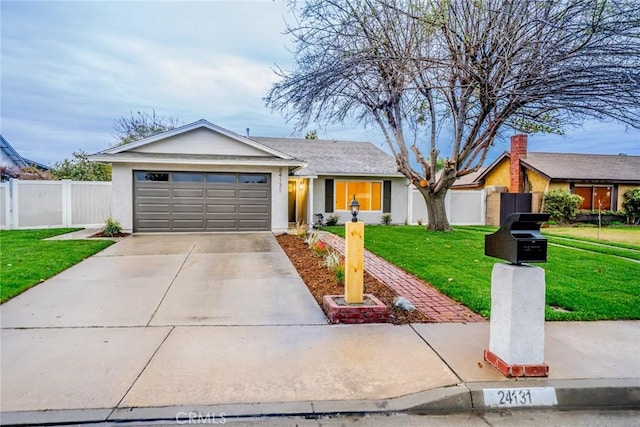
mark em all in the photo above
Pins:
pixel 4 193
pixel 90 203
pixel 464 207
pixel 44 204
pixel 39 204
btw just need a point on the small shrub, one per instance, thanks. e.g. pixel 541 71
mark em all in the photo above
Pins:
pixel 320 248
pixel 386 219
pixel 631 204
pixel 332 260
pixel 312 239
pixel 300 231
pixel 112 227
pixel 562 204
pixel 333 220
pixel 339 273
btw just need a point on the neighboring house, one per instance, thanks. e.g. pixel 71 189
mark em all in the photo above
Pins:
pixel 10 158
pixel 201 177
pixel 600 179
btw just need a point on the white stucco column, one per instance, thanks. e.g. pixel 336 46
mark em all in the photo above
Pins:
pixel 517 320
pixel 310 212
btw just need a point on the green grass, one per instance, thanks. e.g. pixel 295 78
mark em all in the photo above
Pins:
pixel 26 259
pixel 591 285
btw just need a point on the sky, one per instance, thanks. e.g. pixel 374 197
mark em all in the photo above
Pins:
pixel 69 69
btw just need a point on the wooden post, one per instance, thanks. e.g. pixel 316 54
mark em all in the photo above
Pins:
pixel 354 263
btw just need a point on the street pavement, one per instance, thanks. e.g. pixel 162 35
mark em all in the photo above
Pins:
pixel 159 326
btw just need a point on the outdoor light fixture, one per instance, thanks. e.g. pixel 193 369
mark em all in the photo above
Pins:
pixel 355 208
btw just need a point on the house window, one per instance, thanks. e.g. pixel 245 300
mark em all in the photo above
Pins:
pixel 368 194
pixel 595 197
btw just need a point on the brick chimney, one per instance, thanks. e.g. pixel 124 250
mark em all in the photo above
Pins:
pixel 518 151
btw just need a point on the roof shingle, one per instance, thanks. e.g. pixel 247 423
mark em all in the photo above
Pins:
pixel 596 167
pixel 330 157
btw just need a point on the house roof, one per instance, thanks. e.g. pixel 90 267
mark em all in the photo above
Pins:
pixel 587 167
pixel 332 157
pixel 20 162
pixel 469 180
pixel 577 167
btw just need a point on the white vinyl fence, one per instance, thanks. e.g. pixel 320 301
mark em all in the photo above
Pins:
pixel 45 204
pixel 464 207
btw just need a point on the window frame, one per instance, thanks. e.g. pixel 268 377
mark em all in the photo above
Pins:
pixel 380 182
pixel 592 188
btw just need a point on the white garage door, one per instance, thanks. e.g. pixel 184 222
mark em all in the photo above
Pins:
pixel 201 201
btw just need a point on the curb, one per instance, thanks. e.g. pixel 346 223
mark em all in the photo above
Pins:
pixel 570 394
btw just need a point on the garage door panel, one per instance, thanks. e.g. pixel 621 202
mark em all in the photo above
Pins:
pixel 221 193
pixel 222 209
pixel 154 224
pixel 190 223
pixel 179 193
pixel 152 192
pixel 184 202
pixel 153 208
pixel 183 208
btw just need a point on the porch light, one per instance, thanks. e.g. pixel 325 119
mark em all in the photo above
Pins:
pixel 355 208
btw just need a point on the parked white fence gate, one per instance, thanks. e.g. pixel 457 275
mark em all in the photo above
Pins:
pixel 464 207
pixel 46 204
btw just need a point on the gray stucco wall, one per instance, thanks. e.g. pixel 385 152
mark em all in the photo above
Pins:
pixel 399 200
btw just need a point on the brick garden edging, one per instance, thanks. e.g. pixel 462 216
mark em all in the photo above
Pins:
pixel 373 312
pixel 429 301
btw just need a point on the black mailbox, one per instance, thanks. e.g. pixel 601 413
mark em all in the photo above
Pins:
pixel 519 239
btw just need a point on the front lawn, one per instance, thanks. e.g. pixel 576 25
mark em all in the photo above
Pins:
pixel 26 259
pixel 588 285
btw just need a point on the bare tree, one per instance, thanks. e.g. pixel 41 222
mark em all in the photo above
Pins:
pixel 142 125
pixel 463 68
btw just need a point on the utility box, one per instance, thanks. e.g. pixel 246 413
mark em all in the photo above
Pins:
pixel 519 239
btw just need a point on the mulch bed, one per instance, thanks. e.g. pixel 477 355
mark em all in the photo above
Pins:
pixel 321 281
pixel 103 234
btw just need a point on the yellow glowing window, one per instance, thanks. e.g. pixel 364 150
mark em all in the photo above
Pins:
pixel 341 196
pixel 368 194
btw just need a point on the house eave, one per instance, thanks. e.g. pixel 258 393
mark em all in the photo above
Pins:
pixel 195 161
pixel 362 174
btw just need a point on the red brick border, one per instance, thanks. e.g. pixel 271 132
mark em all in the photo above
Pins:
pixel 425 298
pixel 376 312
pixel 541 370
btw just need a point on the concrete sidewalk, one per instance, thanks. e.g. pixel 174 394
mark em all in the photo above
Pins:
pixel 142 373
pixel 144 331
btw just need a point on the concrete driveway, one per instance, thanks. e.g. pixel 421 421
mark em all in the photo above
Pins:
pixel 172 279
pixel 159 321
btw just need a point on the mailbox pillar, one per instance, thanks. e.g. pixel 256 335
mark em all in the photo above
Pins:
pixel 516 337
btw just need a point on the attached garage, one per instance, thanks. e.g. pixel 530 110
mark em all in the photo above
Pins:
pixel 201 201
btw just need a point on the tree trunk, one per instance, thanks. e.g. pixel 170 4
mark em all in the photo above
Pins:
pixel 437 215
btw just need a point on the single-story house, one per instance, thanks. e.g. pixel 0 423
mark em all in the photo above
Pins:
pixel 10 158
pixel 600 179
pixel 201 177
